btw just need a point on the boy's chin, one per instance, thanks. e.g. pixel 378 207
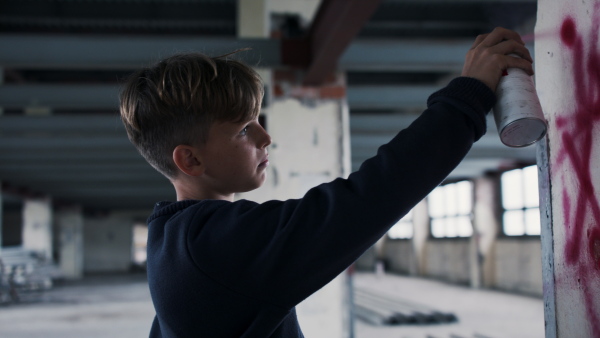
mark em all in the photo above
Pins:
pixel 253 186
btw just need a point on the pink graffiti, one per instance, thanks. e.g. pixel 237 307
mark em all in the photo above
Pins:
pixel 582 211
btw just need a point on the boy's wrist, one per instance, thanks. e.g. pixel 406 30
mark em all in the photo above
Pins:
pixel 469 96
pixel 470 91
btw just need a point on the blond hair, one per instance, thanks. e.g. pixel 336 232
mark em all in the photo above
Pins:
pixel 177 100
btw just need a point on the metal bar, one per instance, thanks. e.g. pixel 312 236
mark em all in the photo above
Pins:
pixel 132 52
pixel 122 52
pixel 106 97
pixel 73 123
pixel 336 24
pixel 389 97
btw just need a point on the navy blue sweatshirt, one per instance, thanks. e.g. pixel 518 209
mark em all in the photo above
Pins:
pixel 238 269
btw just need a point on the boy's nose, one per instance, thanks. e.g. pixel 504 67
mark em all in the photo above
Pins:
pixel 265 139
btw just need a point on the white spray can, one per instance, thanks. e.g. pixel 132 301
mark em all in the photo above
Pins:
pixel 518 112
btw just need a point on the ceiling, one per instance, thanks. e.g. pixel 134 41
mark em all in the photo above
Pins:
pixel 63 61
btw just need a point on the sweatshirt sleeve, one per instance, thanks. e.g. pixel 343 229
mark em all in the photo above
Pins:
pixel 282 251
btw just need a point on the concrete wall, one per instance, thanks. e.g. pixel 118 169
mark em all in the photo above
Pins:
pixel 37 226
pixel 69 241
pixel 448 259
pixel 487 259
pixel 107 242
pixel 398 255
pixel 568 83
pixel 518 265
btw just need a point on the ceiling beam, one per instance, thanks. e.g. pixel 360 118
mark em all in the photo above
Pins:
pixel 440 55
pixel 60 96
pixel 122 52
pixel 64 143
pixel 35 177
pixel 377 123
pixel 335 25
pixel 378 97
pixel 82 155
pixel 129 53
pixel 106 97
pixel 80 123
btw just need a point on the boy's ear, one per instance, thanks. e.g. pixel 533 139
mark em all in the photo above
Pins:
pixel 186 158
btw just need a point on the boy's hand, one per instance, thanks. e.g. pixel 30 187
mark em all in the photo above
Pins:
pixel 488 57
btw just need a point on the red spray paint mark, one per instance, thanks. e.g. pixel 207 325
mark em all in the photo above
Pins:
pixel 594 239
pixel 568 32
pixel 582 211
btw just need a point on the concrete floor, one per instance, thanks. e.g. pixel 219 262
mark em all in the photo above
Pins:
pixel 96 307
pixel 120 306
pixel 481 313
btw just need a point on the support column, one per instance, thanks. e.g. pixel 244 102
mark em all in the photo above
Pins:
pixel 1 217
pixel 420 236
pixel 37 226
pixel 1 83
pixel 253 18
pixel 486 227
pixel 69 221
pixel 567 77
pixel 307 123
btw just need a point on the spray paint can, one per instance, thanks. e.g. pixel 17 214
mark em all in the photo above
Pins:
pixel 518 112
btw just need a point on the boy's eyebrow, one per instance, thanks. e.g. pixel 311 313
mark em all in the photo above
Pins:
pixel 244 121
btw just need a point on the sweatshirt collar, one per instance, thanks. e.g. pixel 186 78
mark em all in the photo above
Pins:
pixel 168 208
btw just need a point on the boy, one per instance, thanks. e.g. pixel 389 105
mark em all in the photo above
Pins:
pixel 224 268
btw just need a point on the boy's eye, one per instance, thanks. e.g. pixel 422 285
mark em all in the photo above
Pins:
pixel 244 131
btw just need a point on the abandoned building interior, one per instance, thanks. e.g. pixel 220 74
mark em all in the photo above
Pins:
pixel 341 78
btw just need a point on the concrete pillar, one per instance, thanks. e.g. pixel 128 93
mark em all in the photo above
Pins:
pixel 568 81
pixel 108 241
pixel 253 18
pixel 474 267
pixel 306 123
pixel 1 83
pixel 69 221
pixel 486 226
pixel 37 225
pixel 420 236
pixel 1 217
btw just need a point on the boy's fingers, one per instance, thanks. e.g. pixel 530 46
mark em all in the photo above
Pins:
pixel 500 34
pixel 513 62
pixel 478 40
pixel 512 47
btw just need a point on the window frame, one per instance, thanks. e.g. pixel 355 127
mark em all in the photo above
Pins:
pixel 502 209
pixel 469 214
pixel 404 221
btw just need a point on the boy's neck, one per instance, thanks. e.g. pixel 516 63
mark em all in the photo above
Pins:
pixel 191 191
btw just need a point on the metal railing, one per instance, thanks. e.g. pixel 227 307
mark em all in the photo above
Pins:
pixel 24 275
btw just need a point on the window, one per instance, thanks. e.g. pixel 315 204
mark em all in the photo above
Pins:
pixel 403 229
pixel 450 210
pixel 520 200
pixel 140 240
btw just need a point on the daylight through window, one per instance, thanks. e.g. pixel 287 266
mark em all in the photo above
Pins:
pixel 450 208
pixel 403 229
pixel 520 200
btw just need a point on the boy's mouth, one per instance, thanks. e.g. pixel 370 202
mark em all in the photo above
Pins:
pixel 264 162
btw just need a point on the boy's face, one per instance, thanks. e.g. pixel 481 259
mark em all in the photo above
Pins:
pixel 235 156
